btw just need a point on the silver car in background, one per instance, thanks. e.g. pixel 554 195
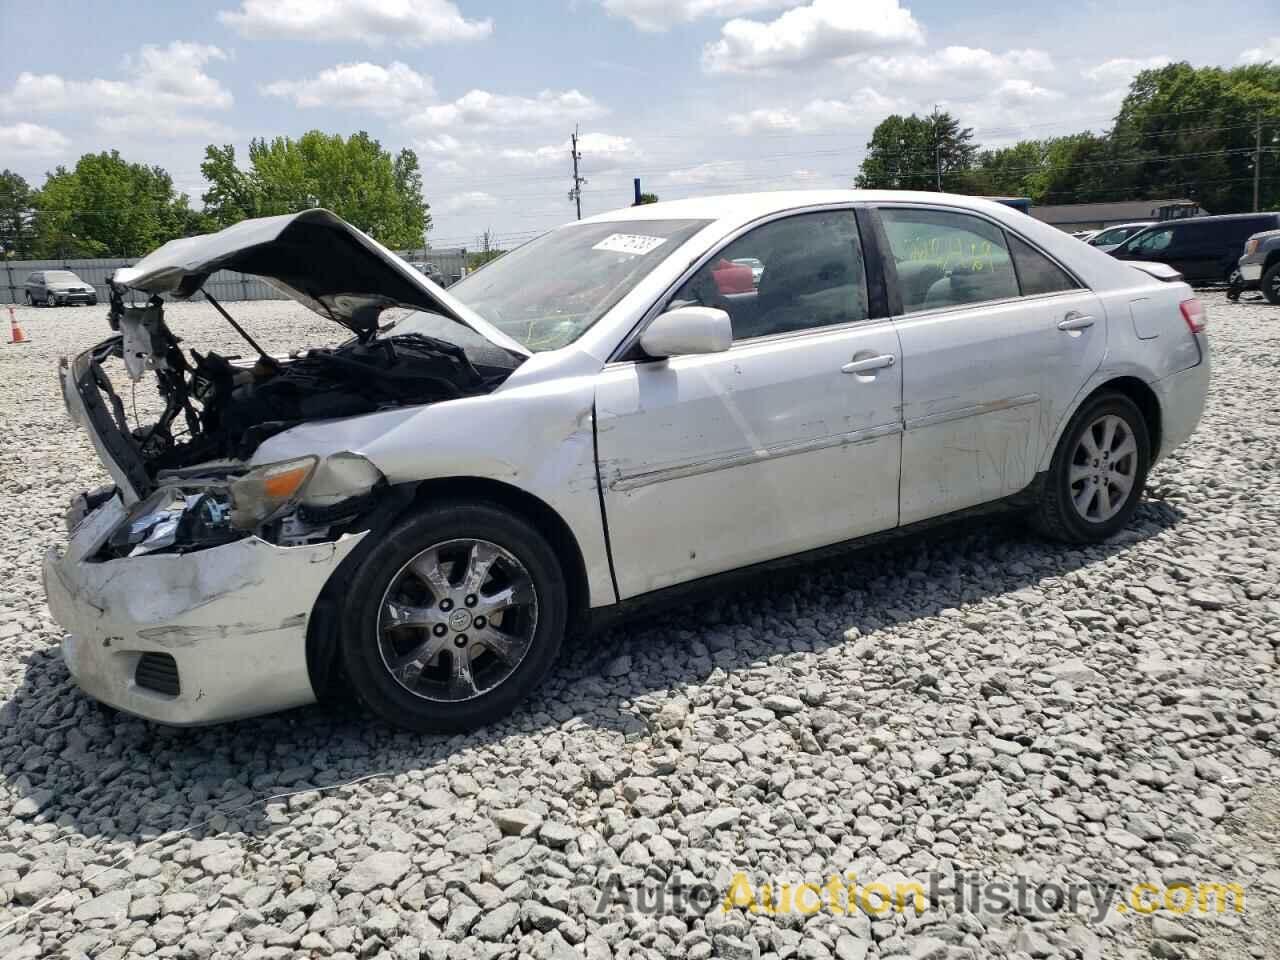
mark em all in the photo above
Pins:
pixel 1111 237
pixel 603 418
pixel 56 288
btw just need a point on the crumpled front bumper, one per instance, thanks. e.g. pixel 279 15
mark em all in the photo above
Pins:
pixel 232 617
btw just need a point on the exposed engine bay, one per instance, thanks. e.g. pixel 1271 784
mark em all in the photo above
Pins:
pixel 185 475
pixel 222 408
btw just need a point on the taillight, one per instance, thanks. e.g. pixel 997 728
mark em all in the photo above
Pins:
pixel 1193 313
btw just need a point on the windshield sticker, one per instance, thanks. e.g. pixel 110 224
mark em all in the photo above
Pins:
pixel 635 244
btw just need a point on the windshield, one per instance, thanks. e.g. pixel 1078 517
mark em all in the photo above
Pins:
pixel 546 293
pixel 61 276
pixel 1115 235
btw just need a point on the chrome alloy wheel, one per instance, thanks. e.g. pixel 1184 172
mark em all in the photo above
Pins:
pixel 1103 469
pixel 457 620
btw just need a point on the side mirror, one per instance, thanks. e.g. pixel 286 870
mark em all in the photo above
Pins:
pixel 687 330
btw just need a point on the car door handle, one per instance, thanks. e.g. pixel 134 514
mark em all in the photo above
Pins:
pixel 869 364
pixel 1075 321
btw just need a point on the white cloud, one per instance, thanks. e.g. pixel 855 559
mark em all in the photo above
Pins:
pixel 172 127
pixel 364 86
pixel 481 109
pixel 657 15
pixel 32 140
pixel 972 68
pixel 703 174
pixel 865 108
pixel 1269 51
pixel 822 31
pixel 166 95
pixel 599 151
pixel 469 200
pixel 160 79
pixel 408 23
pixel 1123 69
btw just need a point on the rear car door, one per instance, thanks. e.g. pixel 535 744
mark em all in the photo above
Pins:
pixel 997 339
pixel 786 442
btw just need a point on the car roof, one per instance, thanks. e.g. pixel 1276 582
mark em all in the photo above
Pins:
pixel 745 207
pixel 1135 223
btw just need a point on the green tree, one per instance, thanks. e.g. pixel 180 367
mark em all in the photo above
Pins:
pixel 646 198
pixel 107 206
pixel 15 212
pixel 906 153
pixel 1189 131
pixel 354 177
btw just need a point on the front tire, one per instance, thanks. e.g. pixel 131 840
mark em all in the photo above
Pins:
pixel 454 618
pixel 1271 284
pixel 1097 473
pixel 50 300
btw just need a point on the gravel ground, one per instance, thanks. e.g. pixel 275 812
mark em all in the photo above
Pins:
pixel 973 704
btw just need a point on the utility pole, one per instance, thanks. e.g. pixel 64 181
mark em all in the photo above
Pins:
pixel 576 193
pixel 1257 161
pixel 937 146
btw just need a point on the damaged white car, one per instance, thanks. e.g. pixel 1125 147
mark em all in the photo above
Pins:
pixel 609 415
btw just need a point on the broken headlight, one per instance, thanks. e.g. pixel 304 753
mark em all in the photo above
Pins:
pixel 324 489
pixel 267 492
pixel 174 518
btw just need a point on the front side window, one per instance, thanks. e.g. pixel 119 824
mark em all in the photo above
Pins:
pixel 947 259
pixel 548 292
pixel 797 273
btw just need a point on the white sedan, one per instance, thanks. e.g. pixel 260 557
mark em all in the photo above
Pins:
pixel 603 417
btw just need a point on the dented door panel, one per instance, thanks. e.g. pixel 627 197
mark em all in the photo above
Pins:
pixel 983 388
pixel 708 463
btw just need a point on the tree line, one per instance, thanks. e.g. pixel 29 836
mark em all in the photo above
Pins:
pixel 108 206
pixel 1181 132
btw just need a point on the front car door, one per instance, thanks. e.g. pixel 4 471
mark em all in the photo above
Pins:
pixel 997 339
pixel 786 442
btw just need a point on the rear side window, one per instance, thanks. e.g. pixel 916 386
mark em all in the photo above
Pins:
pixel 946 259
pixel 1038 274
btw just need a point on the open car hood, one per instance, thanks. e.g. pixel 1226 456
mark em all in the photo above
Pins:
pixel 315 257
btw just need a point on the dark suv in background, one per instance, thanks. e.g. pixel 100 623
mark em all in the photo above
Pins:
pixel 1202 249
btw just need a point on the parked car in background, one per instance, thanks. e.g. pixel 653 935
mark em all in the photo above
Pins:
pixel 587 425
pixel 1260 267
pixel 55 288
pixel 757 268
pixel 1202 249
pixel 1084 235
pixel 1110 238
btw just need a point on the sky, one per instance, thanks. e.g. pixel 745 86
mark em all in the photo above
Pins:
pixel 692 96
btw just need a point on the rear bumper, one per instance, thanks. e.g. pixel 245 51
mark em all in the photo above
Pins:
pixel 1182 399
pixel 233 618
pixel 1250 272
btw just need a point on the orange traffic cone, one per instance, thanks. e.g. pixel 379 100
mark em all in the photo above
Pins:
pixel 15 331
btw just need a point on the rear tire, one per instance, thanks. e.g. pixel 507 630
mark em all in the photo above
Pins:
pixel 1270 284
pixel 404 644
pixel 1097 473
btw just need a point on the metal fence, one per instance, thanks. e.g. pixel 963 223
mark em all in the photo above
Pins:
pixel 225 284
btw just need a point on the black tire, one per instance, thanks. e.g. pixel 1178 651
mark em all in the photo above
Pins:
pixel 361 655
pixel 49 300
pixel 1270 284
pixel 1056 515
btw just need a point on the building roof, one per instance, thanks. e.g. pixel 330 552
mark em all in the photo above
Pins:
pixel 1098 212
